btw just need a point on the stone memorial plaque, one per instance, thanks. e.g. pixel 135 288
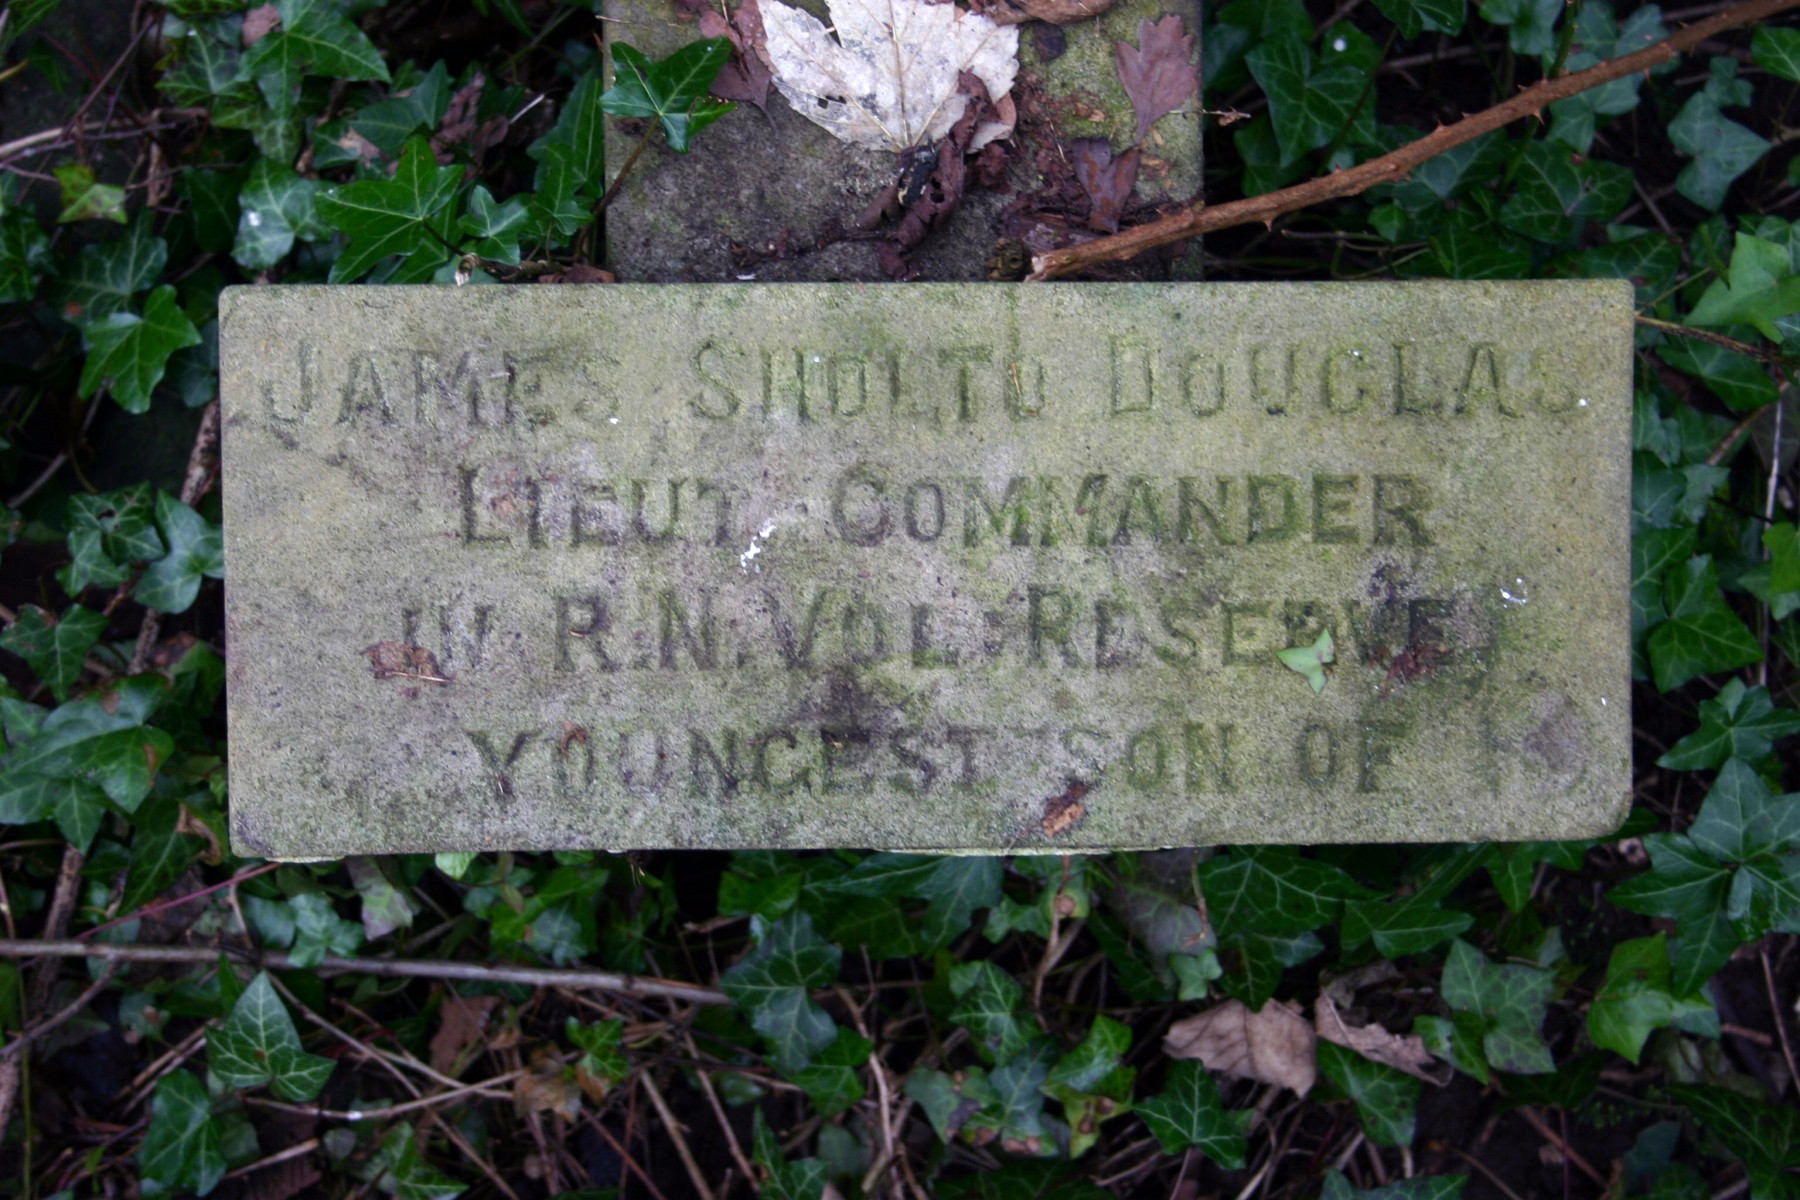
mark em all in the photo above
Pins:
pixel 935 566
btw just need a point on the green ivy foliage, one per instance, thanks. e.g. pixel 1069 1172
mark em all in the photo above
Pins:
pixel 1012 1011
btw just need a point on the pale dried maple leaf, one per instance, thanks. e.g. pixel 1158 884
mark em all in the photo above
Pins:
pixel 890 79
pixel 1275 1045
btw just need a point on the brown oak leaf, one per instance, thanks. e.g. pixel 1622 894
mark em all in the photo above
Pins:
pixel 1275 1045
pixel 1159 73
pixel 1108 181
pixel 1376 1044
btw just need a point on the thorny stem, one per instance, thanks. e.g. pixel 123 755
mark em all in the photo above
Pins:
pixel 1201 218
pixel 1717 339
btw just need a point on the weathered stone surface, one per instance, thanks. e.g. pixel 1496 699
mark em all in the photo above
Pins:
pixel 936 566
pixel 756 179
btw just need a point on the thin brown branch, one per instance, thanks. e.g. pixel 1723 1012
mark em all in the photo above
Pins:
pixel 1717 339
pixel 695 1175
pixel 18 1044
pixel 386 968
pixel 1398 164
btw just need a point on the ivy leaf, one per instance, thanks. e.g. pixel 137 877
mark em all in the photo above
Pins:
pixel 1730 879
pixel 108 533
pixel 988 1001
pixel 128 353
pixel 795 1179
pixel 1510 1001
pixel 1556 194
pixel 1414 17
pixel 181 1151
pixel 1638 997
pixel 833 1082
pixel 1532 23
pixel 1386 1099
pixel 55 648
pixel 1741 382
pixel 409 215
pixel 1721 148
pixel 674 90
pixel 100 739
pixel 1597 38
pixel 1310 104
pixel 399 1169
pixel 1764 1137
pixel 1777 51
pixel 772 982
pixel 24 252
pixel 1309 661
pixel 1410 926
pixel 497 228
pixel 86 199
pixel 1188 1113
pixel 1271 889
pixel 196 551
pixel 106 275
pixel 952 886
pixel 1760 289
pixel 276 205
pixel 1702 634
pixel 314 39
pixel 1419 1187
pixel 577 140
pixel 417 106
pixel 1739 722
pixel 258 1044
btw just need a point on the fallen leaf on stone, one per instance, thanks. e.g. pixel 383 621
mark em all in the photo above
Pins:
pixel 1159 73
pixel 1063 810
pixel 1108 181
pixel 259 23
pixel 1054 12
pixel 402 660
pixel 1377 1044
pixel 1275 1045
pixel 460 1022
pixel 580 273
pixel 747 76
pixel 891 79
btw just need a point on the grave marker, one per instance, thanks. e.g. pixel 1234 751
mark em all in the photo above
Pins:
pixel 934 567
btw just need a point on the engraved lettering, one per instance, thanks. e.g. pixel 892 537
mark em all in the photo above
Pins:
pixel 1399 501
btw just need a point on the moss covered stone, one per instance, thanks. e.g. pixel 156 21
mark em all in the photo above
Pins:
pixel 942 566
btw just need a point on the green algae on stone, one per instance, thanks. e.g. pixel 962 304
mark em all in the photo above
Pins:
pixel 945 566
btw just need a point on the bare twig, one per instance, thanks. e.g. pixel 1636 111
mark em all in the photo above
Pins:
pixel 695 1175
pixel 1201 218
pixel 1787 1049
pixel 1717 339
pixel 712 1098
pixel 18 1044
pixel 387 968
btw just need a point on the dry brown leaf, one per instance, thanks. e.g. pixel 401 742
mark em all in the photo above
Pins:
pixel 460 1022
pixel 1376 1044
pixel 547 1087
pixel 1275 1045
pixel 402 660
pixel 259 23
pixel 1159 73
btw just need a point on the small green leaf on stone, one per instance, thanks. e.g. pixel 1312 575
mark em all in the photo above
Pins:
pixel 1309 661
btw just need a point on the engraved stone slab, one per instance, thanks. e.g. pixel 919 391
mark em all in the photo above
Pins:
pixel 936 566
